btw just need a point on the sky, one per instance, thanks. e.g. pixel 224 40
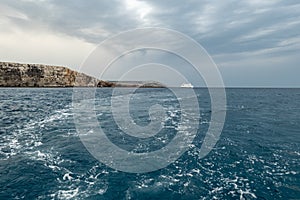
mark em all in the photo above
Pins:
pixel 253 43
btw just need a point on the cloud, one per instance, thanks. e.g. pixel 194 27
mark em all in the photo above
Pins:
pixel 231 31
pixel 30 44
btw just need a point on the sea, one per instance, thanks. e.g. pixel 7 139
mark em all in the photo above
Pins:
pixel 257 155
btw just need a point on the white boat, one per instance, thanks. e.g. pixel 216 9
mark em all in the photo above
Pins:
pixel 186 85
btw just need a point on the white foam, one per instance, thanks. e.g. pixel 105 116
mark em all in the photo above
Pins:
pixel 67 176
pixel 102 191
pixel 67 194
pixel 247 191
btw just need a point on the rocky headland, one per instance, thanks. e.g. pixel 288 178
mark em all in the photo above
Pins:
pixel 38 75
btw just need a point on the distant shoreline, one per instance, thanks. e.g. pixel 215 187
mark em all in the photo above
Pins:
pixel 48 76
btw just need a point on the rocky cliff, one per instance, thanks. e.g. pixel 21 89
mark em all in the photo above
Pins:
pixel 36 75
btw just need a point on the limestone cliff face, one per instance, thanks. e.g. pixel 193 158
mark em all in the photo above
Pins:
pixel 35 75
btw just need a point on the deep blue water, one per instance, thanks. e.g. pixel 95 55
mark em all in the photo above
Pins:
pixel 257 156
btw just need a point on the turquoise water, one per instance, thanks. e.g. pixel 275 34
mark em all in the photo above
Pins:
pixel 257 156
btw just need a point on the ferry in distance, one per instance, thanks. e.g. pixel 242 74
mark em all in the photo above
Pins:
pixel 186 85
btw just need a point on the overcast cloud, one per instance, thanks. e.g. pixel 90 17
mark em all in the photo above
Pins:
pixel 254 43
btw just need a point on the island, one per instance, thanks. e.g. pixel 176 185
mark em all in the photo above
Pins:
pixel 39 75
